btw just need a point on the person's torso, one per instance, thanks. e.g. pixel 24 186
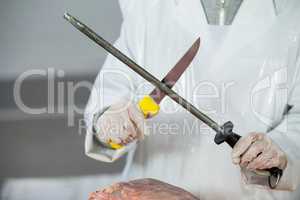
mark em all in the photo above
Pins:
pixel 241 74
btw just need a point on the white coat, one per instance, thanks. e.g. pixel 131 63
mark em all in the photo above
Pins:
pixel 246 73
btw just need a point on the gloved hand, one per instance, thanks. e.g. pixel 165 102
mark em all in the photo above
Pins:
pixel 257 152
pixel 121 124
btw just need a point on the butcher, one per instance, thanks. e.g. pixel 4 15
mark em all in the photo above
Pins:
pixel 246 71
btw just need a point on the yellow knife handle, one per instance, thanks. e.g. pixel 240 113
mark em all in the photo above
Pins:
pixel 114 145
pixel 148 107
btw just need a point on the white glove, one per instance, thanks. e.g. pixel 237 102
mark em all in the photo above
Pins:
pixel 257 152
pixel 121 124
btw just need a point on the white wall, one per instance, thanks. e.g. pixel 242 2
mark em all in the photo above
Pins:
pixel 33 34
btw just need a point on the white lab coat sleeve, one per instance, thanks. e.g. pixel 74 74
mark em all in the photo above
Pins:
pixel 287 136
pixel 115 82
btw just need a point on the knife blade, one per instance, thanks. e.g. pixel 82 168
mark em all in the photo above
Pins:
pixel 175 73
pixel 149 105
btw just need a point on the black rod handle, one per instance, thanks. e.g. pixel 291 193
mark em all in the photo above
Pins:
pixel 232 139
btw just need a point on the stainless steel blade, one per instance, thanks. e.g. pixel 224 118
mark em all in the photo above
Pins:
pixel 175 73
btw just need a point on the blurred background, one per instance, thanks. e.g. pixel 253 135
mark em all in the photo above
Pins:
pixel 41 156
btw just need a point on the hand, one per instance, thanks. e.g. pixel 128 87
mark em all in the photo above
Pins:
pixel 121 124
pixel 258 152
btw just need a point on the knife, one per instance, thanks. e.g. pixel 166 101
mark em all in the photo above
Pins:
pixel 149 104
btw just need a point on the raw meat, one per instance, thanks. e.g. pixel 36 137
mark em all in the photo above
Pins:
pixel 142 189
